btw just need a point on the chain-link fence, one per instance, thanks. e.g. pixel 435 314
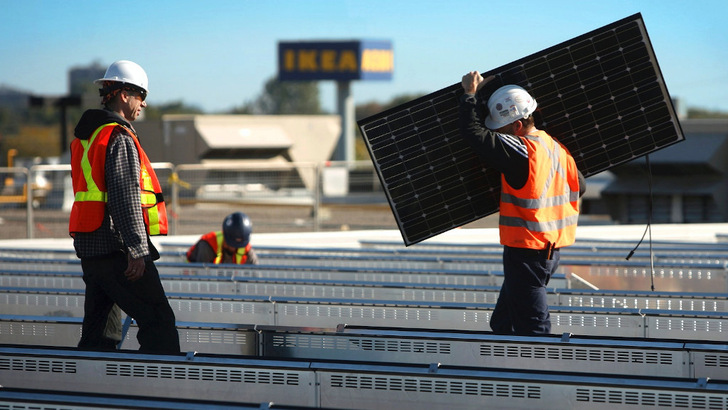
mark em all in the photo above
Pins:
pixel 285 197
pixel 16 200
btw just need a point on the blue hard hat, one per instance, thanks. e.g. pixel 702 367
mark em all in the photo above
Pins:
pixel 236 229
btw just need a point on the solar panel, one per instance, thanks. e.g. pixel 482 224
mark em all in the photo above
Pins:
pixel 600 94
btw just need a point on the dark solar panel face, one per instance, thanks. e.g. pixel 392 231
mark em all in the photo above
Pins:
pixel 601 94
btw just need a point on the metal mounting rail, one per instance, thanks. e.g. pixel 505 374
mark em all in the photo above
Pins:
pixel 11 398
pixel 472 274
pixel 438 276
pixel 454 255
pixel 581 249
pixel 448 256
pixel 567 353
pixel 581 245
pixel 366 290
pixel 573 253
pixel 592 251
pixel 329 312
pixel 344 384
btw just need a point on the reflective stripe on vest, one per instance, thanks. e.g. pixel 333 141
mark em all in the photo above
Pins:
pixel 539 226
pixel 149 200
pixel 93 193
pixel 240 256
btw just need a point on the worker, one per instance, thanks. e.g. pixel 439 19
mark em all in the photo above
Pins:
pixel 118 204
pixel 230 245
pixel 539 208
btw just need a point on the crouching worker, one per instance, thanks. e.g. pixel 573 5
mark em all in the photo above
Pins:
pixel 231 245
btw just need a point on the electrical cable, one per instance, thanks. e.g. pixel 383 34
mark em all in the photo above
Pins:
pixel 648 228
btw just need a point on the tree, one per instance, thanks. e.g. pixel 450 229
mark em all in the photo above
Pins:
pixel 371 108
pixel 285 98
pixel 703 113
pixel 9 120
pixel 34 141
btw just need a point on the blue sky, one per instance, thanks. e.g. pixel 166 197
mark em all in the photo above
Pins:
pixel 218 54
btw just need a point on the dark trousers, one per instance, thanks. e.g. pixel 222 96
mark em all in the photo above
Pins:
pixel 144 300
pixel 522 307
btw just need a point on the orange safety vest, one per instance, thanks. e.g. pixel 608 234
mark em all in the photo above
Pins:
pixel 214 239
pixel 546 209
pixel 88 161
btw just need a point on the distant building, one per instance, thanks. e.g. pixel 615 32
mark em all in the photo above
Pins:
pixel 210 139
pixel 689 179
pixel 242 140
pixel 80 79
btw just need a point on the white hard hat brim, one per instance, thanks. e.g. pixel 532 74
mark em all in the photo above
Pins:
pixel 492 125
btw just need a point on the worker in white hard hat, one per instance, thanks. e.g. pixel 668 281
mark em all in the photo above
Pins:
pixel 539 208
pixel 118 204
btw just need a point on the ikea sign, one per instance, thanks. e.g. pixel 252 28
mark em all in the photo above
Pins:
pixel 335 60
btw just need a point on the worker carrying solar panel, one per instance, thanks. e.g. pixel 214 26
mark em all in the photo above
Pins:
pixel 230 245
pixel 539 208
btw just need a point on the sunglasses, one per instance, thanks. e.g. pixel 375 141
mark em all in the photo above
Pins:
pixel 137 93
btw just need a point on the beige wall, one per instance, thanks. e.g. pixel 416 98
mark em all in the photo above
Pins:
pixel 179 138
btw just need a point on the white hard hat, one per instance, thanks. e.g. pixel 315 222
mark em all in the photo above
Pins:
pixel 127 72
pixel 507 104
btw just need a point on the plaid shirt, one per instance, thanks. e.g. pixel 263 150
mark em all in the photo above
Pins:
pixel 123 226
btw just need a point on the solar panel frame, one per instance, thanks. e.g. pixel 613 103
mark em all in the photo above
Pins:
pixel 601 94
